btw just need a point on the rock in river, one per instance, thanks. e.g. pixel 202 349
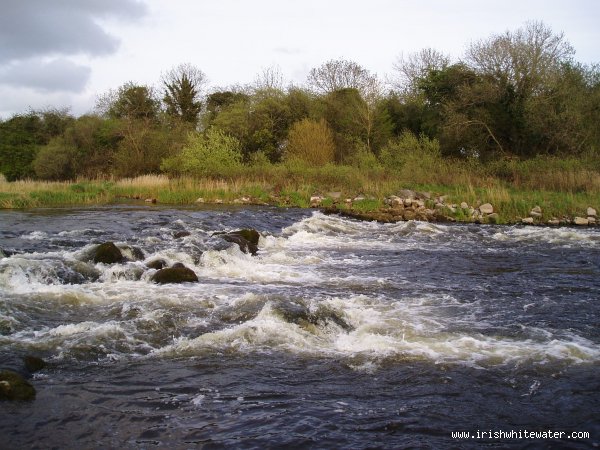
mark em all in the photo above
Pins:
pixel 177 274
pixel 107 253
pixel 246 239
pixel 14 387
pixel 33 363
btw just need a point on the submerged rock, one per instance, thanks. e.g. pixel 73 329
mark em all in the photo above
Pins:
pixel 107 253
pixel 300 314
pixel 14 387
pixel 177 274
pixel 246 239
pixel 33 363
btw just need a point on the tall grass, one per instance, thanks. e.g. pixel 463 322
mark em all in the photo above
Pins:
pixel 560 187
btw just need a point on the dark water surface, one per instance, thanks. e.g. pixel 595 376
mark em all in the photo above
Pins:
pixel 337 334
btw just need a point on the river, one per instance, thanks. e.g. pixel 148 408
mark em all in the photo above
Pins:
pixel 336 334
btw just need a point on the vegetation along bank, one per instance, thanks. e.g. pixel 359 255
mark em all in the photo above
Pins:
pixel 513 124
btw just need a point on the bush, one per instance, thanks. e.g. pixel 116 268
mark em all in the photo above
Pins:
pixel 55 161
pixel 365 159
pixel 211 154
pixel 311 142
pixel 409 148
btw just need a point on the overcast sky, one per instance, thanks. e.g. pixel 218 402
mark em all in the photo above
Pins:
pixel 64 53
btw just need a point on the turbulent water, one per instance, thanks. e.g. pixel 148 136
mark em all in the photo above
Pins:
pixel 337 334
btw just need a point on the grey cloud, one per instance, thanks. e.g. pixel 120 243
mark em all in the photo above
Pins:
pixel 59 75
pixel 30 28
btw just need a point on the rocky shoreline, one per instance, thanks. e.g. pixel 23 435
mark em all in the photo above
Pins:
pixel 423 206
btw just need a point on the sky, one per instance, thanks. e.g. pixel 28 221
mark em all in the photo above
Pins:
pixel 66 53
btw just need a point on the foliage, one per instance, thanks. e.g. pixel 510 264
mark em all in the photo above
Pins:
pixel 182 93
pixel 212 154
pixel 21 136
pixel 515 105
pixel 311 142
pixel 55 161
pixel 409 147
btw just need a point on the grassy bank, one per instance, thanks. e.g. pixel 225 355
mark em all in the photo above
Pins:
pixel 559 191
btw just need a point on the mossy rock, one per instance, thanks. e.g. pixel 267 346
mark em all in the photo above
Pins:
pixel 14 387
pixel 33 363
pixel 107 253
pixel 175 275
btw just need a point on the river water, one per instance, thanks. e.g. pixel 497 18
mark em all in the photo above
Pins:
pixel 337 334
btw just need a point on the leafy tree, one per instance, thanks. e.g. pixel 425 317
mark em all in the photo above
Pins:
pixel 311 142
pixel 212 153
pixel 220 100
pixel 56 160
pixel 130 102
pixel 183 92
pixel 22 135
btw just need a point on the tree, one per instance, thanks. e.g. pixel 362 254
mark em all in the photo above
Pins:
pixel 23 134
pixel 55 161
pixel 335 75
pixel 527 59
pixel 212 153
pixel 414 67
pixel 520 72
pixel 130 102
pixel 183 87
pixel 311 142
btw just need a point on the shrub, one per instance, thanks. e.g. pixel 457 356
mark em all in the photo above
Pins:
pixel 55 161
pixel 311 142
pixel 213 153
pixel 409 148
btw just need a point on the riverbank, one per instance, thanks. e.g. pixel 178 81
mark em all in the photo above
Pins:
pixel 368 198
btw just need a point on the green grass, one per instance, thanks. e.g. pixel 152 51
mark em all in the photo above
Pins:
pixel 559 187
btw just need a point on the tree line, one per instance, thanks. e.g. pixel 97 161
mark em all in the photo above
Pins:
pixel 515 95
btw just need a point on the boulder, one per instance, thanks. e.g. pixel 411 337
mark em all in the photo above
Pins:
pixel 582 221
pixel 107 253
pixel 536 212
pixel 464 205
pixel 527 220
pixel 423 195
pixel 156 264
pixel 554 222
pixel 493 218
pixel 407 193
pixel 591 220
pixel 246 239
pixel 33 363
pixel 200 200
pixel 315 200
pixel 14 387
pixel 591 212
pixel 175 275
pixel 486 208
pixel 407 214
